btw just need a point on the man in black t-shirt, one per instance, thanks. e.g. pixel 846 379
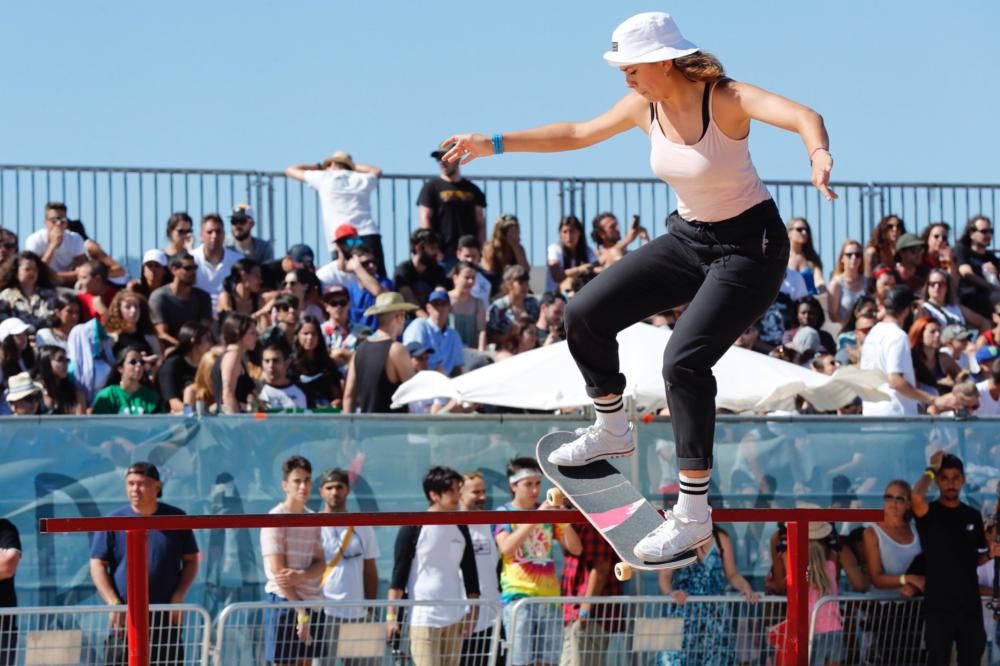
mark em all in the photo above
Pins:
pixel 452 206
pixel 954 545
pixel 417 277
pixel 977 266
pixel 10 557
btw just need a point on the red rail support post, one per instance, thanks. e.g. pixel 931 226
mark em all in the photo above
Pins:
pixel 797 640
pixel 137 617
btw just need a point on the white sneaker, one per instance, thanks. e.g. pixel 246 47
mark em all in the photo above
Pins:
pixel 673 538
pixel 593 443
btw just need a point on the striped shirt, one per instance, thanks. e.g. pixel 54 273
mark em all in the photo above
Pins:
pixel 299 545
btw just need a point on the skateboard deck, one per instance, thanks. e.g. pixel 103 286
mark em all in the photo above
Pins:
pixel 609 502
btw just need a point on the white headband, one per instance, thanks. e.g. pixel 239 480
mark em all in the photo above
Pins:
pixel 522 474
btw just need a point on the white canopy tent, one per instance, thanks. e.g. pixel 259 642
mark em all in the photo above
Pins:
pixel 547 379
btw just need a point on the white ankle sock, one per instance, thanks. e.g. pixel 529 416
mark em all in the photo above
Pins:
pixel 692 501
pixel 611 415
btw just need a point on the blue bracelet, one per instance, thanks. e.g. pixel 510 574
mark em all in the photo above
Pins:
pixel 497 144
pixel 585 614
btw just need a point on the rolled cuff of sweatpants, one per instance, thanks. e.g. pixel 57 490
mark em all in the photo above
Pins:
pixel 615 385
pixel 696 464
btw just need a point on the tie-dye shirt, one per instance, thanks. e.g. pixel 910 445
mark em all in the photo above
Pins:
pixel 531 570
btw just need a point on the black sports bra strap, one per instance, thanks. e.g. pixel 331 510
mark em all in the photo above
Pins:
pixel 704 109
pixel 652 112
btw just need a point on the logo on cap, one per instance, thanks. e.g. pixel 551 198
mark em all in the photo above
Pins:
pixel 614 47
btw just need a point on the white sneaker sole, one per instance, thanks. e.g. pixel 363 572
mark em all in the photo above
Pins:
pixel 676 556
pixel 595 458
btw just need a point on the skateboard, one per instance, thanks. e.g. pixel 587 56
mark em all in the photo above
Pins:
pixel 609 502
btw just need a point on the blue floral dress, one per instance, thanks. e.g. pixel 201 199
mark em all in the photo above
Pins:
pixel 707 627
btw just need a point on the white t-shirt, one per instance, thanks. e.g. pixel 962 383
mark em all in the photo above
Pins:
pixel 436 575
pixel 346 581
pixel 328 275
pixel 987 405
pixel 285 397
pixel 888 349
pixel 555 256
pixel 211 276
pixel 344 198
pixel 487 556
pixel 62 259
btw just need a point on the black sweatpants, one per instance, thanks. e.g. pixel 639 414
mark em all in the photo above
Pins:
pixel 961 628
pixel 728 271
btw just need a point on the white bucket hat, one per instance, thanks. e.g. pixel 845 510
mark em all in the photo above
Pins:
pixel 647 37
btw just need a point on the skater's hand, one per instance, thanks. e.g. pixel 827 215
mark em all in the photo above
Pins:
pixel 822 165
pixel 466 147
pixel 680 596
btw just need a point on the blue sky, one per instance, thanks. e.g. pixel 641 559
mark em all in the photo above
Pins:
pixel 908 89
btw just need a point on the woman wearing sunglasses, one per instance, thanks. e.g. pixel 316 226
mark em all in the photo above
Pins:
pixel 848 282
pixel 125 392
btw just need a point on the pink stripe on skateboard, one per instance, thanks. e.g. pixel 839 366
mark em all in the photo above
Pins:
pixel 608 520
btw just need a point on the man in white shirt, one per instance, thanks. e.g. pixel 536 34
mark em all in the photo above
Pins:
pixel 476 648
pixel 345 190
pixel 989 388
pixel 351 574
pixel 278 391
pixel 887 348
pixel 213 258
pixel 59 248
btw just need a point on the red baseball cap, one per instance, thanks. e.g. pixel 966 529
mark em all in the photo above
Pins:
pixel 345 231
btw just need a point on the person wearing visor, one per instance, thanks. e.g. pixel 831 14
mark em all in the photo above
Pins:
pixel 725 254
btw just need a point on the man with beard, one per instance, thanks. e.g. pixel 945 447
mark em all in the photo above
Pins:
pixel 179 301
pixel 476 647
pixel 243 221
pixel 350 574
pixel 954 545
pixel 451 206
pixel 421 274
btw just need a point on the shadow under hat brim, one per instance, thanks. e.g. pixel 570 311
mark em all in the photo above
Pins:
pixel 685 48
pixel 25 393
pixel 392 307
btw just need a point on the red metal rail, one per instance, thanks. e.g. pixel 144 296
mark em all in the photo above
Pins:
pixel 135 529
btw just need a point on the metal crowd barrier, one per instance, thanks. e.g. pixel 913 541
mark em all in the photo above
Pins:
pixel 83 635
pixel 646 630
pixel 882 628
pixel 241 633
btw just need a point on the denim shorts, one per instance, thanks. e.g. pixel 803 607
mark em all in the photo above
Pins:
pixel 539 632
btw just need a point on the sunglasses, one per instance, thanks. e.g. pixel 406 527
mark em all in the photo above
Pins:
pixel 893 226
pixel 59 359
pixel 987 230
pixel 187 267
pixel 894 498
pixel 184 230
pixel 852 255
pixel 936 283
pixel 338 303
pixel 801 230
pixel 58 220
pixel 134 361
pixel 291 283
pixel 9 245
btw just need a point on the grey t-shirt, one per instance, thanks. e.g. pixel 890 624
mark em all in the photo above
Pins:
pixel 166 308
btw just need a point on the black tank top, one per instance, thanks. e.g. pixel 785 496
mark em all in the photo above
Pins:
pixel 244 385
pixel 374 392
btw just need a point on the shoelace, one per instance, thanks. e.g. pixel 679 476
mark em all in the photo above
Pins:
pixel 587 430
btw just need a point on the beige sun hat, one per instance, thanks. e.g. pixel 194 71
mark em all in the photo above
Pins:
pixel 817 530
pixel 20 386
pixel 341 157
pixel 389 301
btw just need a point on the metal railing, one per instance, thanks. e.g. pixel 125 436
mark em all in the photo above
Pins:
pixel 241 633
pixel 644 630
pixel 84 635
pixel 125 208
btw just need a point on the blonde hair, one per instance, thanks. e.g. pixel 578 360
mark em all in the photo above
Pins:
pixel 203 377
pixel 700 66
pixel 471 476
pixel 818 577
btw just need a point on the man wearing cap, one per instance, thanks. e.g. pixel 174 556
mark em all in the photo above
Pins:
pixel 452 206
pixel 61 249
pixel 243 220
pixel 179 301
pixel 417 277
pixel 910 267
pixel 435 332
pixel 419 356
pixel 24 395
pixel 351 553
pixel 989 388
pixel 380 364
pixel 887 348
pixel 337 332
pixel 214 259
pixel 955 341
pixel 173 565
pixel 273 273
pixel 345 190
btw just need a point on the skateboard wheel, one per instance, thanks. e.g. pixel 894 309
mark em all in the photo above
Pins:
pixel 554 496
pixel 623 571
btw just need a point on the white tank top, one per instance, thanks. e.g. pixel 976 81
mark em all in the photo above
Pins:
pixel 714 179
pixel 896 557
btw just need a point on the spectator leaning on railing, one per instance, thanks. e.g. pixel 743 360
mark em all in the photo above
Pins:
pixel 451 206
pixel 954 545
